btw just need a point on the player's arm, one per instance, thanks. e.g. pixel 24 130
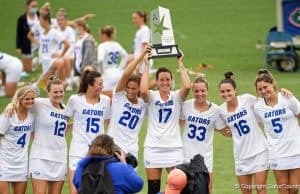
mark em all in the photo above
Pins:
pixel 144 86
pixel 185 79
pixel 130 69
pixel 181 123
pixel 32 38
pixel 86 17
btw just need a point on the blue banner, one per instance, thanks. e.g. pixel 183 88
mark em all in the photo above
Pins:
pixel 291 16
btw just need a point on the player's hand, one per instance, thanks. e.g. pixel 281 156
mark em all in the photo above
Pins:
pixel 9 110
pixel 121 156
pixel 89 16
pixel 226 132
pixel 146 58
pixel 19 51
pixel 286 92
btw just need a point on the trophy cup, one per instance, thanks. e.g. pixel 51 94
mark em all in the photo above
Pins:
pixel 161 34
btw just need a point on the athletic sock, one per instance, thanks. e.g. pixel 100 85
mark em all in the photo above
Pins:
pixel 153 186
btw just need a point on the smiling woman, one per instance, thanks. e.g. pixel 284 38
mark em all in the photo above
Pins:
pixel 14 140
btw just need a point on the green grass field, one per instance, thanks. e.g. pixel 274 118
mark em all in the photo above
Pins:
pixel 221 33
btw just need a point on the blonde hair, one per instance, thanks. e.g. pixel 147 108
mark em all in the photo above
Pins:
pixel 45 12
pixel 62 13
pixel 20 94
pixel 109 31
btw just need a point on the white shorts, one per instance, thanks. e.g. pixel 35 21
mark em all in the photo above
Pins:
pixel 47 170
pixel 252 165
pixel 13 71
pixel 162 157
pixel 110 77
pixel 13 174
pixel 73 162
pixel 286 163
pixel 47 63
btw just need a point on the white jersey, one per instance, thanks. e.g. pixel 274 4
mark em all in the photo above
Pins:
pixel 281 126
pixel 69 35
pixel 141 36
pixel 126 121
pixel 78 52
pixel 199 129
pixel 49 141
pixel 6 61
pixel 163 121
pixel 88 121
pixel 244 128
pixel 15 140
pixel 111 55
pixel 35 28
pixel 49 44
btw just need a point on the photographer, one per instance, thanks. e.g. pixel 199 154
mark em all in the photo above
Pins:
pixel 123 177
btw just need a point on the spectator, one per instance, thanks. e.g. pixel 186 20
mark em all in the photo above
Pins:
pixel 26 23
pixel 124 177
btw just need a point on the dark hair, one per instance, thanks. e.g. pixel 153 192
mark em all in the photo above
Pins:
pixel 108 31
pixel 53 81
pixel 142 14
pixel 102 145
pixel 134 78
pixel 87 78
pixel 265 76
pixel 228 79
pixel 201 80
pixel 28 2
pixel 161 70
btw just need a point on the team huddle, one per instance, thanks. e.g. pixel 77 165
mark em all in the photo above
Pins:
pixel 115 95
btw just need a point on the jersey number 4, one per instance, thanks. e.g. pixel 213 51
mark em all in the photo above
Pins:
pixel 22 140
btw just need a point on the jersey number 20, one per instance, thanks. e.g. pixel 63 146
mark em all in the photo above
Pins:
pixel 129 120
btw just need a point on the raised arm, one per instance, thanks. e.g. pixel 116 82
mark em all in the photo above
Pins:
pixel 144 87
pixel 185 79
pixel 86 17
pixel 130 69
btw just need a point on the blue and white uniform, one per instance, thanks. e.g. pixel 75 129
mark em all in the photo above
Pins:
pixel 48 154
pixel 14 141
pixel 282 131
pixel 11 66
pixel 125 123
pixel 163 144
pixel 246 133
pixel 199 130
pixel 112 59
pixel 88 123
pixel 49 44
pixel 68 34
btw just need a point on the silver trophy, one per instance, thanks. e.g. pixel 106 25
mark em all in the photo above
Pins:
pixel 161 34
